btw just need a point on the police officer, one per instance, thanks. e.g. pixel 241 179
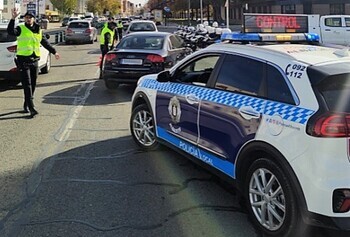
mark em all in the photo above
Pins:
pixel 120 30
pixel 107 41
pixel 29 37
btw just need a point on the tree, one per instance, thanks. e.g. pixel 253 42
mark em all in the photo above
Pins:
pixel 66 7
pixel 102 6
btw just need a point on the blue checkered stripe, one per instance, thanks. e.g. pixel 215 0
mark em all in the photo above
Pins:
pixel 287 112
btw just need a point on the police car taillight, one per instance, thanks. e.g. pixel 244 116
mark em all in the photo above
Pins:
pixel 12 49
pixel 330 125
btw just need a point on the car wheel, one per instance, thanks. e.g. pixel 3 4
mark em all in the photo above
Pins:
pixel 47 67
pixel 142 128
pixel 272 205
pixel 112 85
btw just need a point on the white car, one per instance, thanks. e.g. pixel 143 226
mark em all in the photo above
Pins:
pixel 273 118
pixel 140 25
pixel 8 47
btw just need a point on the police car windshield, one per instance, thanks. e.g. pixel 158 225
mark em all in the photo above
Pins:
pixel 142 42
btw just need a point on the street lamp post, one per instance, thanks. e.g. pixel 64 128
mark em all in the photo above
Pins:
pixel 189 10
pixel 201 7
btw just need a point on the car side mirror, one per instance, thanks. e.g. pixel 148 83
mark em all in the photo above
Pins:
pixel 47 36
pixel 164 76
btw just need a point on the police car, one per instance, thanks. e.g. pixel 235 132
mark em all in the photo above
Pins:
pixel 274 118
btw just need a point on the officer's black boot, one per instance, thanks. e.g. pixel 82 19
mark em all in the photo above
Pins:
pixel 25 108
pixel 32 111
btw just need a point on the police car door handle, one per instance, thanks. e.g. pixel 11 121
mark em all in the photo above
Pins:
pixel 192 99
pixel 249 113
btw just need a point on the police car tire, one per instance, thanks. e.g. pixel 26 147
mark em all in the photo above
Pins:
pixel 137 114
pixel 292 224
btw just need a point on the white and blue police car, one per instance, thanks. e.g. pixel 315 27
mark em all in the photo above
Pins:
pixel 275 118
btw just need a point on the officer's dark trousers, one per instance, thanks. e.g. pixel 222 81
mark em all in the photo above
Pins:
pixel 104 51
pixel 29 74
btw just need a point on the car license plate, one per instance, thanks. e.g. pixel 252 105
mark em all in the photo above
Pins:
pixel 131 61
pixel 79 32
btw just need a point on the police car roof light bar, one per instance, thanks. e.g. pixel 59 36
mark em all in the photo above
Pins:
pixel 270 37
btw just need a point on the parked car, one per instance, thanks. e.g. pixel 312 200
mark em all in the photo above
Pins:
pixel 136 26
pixel 65 21
pixel 272 118
pixel 8 48
pixel 126 22
pixel 81 31
pixel 139 54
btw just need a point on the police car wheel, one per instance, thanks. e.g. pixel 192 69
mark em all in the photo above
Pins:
pixel 142 128
pixel 272 205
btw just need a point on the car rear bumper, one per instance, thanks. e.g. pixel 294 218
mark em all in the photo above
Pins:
pixel 79 38
pixel 125 76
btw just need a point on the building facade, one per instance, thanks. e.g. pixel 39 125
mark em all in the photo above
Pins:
pixel 322 7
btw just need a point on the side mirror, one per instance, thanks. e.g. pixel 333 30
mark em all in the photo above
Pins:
pixel 164 76
pixel 47 36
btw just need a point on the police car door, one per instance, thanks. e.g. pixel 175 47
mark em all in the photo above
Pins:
pixel 231 114
pixel 177 103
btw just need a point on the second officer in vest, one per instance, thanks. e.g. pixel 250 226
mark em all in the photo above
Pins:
pixel 29 37
pixel 107 40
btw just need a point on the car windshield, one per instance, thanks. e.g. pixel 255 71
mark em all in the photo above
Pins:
pixel 5 37
pixel 79 25
pixel 142 26
pixel 142 42
pixel 336 92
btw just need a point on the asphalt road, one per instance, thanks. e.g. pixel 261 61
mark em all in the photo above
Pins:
pixel 74 170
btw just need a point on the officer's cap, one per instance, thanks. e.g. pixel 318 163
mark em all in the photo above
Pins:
pixel 29 13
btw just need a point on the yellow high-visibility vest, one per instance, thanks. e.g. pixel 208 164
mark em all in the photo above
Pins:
pixel 28 42
pixel 106 30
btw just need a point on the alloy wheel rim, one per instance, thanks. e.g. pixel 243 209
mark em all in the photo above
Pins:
pixel 143 128
pixel 267 199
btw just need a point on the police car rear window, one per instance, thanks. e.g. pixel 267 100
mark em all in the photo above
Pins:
pixel 4 37
pixel 335 90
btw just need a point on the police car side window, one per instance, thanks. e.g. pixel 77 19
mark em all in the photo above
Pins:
pixel 277 87
pixel 198 71
pixel 240 74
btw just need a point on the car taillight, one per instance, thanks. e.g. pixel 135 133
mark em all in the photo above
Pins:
pixel 330 125
pixel 154 58
pixel 88 31
pixel 12 49
pixel 109 57
pixel 68 31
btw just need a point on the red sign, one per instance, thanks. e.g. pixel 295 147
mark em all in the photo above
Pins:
pixel 265 23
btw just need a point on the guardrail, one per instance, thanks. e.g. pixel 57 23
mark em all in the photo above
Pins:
pixel 56 35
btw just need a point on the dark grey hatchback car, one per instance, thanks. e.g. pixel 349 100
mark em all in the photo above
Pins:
pixel 139 54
